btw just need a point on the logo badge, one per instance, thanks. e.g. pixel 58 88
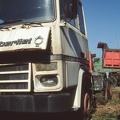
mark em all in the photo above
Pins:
pixel 38 41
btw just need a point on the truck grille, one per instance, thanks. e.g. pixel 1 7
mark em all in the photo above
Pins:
pixel 15 77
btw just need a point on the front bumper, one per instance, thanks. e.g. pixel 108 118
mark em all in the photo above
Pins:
pixel 36 103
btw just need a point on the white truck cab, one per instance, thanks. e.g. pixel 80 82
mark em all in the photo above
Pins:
pixel 43 56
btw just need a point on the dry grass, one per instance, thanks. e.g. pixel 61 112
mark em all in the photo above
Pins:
pixel 110 110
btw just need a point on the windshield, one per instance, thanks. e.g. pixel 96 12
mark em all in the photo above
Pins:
pixel 26 10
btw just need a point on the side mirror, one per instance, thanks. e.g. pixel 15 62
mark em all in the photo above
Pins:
pixel 71 9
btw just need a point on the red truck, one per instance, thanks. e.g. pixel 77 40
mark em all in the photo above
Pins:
pixel 111 57
pixel 111 60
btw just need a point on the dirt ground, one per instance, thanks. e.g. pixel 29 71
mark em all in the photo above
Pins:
pixel 110 111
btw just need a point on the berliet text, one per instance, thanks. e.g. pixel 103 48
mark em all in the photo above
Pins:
pixel 16 42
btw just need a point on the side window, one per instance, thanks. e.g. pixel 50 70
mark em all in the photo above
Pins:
pixel 68 11
pixel 81 19
pixel 62 9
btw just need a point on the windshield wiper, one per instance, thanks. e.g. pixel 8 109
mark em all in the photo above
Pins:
pixel 33 24
pixel 11 21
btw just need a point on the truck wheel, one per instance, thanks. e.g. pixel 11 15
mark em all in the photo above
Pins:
pixel 108 93
pixel 85 109
pixel 87 104
pixel 84 112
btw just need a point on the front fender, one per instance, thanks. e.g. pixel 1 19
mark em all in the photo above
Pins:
pixel 77 99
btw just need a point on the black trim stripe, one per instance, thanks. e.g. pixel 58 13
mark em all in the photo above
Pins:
pixel 69 58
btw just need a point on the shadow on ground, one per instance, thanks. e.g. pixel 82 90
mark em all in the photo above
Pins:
pixel 40 116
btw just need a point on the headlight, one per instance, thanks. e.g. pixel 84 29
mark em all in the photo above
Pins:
pixel 49 80
pixel 98 82
pixel 46 67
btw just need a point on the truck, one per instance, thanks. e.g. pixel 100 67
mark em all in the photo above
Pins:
pixel 110 62
pixel 107 70
pixel 44 62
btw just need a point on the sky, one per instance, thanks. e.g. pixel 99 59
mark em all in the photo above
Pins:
pixel 102 23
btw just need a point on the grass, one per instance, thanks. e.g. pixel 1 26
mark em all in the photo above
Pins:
pixel 111 110
pixel 105 117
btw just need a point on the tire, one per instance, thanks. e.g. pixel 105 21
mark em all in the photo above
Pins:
pixel 87 104
pixel 84 112
pixel 85 109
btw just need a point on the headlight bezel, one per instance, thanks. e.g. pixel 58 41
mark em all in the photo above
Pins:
pixel 38 74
